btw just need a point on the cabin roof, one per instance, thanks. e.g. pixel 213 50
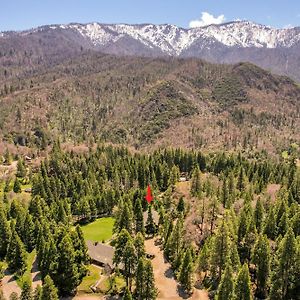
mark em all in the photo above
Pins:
pixel 101 253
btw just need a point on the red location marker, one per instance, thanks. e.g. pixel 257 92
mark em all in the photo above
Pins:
pixel 149 197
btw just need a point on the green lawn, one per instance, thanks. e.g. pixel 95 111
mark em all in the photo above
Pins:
pixel 99 230
pixel 90 279
pixel 113 283
pixel 27 275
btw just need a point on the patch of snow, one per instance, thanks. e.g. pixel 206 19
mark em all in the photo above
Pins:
pixel 174 40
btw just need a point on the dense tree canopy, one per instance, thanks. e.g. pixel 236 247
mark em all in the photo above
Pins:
pixel 245 239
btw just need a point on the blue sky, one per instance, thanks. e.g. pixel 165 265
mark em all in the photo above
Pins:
pixel 24 14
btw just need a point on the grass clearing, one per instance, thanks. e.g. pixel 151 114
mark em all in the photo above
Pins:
pixel 99 230
pixel 114 283
pixel 90 279
pixel 26 277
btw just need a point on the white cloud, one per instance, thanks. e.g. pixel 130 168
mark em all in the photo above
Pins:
pixel 207 19
pixel 288 26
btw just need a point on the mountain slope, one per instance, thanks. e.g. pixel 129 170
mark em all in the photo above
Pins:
pixel 274 49
pixel 147 102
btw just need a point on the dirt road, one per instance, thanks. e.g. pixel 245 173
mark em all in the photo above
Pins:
pixel 9 285
pixel 35 275
pixel 164 279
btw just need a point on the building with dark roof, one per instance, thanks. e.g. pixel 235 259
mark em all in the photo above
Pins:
pixel 101 254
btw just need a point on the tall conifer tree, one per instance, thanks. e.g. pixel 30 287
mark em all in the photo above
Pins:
pixel 242 287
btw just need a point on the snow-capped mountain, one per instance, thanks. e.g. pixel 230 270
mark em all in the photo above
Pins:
pixel 173 40
pixel 275 49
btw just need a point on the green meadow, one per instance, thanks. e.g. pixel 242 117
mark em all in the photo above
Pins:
pixel 99 230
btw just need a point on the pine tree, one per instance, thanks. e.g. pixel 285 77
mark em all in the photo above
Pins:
pixel 213 212
pixel 118 215
pixel 47 256
pixel 49 291
pixel 186 272
pixel 270 225
pixel 29 232
pixel 225 194
pixel 284 267
pixel 7 157
pixel 80 247
pixel 16 254
pixel 150 226
pixel 84 208
pixel 234 257
pixel 20 215
pixel 61 215
pixel 220 250
pixel 121 241
pixel 7 187
pixel 196 183
pixel 21 170
pixel 241 180
pixel 4 233
pixel 26 293
pixel 242 287
pixel 129 261
pixel 181 206
pixel 231 187
pixel 139 244
pixel 174 176
pixel 139 218
pixel 225 288
pixel 203 259
pixel 249 241
pixel 261 259
pixel 125 221
pixel 296 223
pixel 244 221
pixel 283 224
pixel 140 280
pixel 259 215
pixel 174 243
pixel 17 186
pixel 150 291
pixel 82 257
pixel 145 283
pixel 66 276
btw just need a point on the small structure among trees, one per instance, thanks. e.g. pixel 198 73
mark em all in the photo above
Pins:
pixel 101 254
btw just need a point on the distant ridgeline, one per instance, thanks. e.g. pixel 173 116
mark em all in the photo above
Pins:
pixel 149 103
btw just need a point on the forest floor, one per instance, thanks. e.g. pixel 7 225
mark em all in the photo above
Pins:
pixel 10 284
pixel 168 288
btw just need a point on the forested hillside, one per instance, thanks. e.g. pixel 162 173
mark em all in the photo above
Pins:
pixel 84 135
pixel 149 103
pixel 244 211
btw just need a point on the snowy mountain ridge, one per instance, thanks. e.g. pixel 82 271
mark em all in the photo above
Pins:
pixel 173 40
pixel 277 50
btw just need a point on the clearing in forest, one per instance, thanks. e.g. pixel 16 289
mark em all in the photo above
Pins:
pixel 99 230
